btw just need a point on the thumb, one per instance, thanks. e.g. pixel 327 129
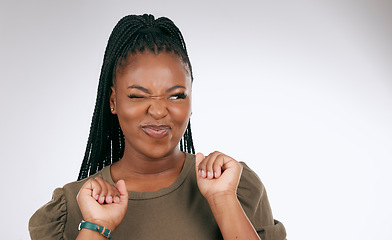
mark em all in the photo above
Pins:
pixel 199 157
pixel 122 189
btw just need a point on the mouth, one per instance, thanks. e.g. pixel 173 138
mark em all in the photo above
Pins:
pixel 156 131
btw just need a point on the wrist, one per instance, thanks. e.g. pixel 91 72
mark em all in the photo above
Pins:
pixel 222 201
pixel 103 231
pixel 221 197
pixel 103 223
pixel 89 234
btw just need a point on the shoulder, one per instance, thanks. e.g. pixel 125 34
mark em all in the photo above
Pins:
pixel 253 198
pixel 250 186
pixel 49 220
pixel 52 219
pixel 72 188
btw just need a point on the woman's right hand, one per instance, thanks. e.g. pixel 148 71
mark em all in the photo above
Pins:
pixel 102 203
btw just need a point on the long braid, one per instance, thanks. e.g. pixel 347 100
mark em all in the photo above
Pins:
pixel 132 34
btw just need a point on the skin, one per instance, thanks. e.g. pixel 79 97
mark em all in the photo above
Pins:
pixel 155 83
pixel 149 90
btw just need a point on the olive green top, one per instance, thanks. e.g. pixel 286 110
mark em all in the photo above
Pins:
pixel 177 212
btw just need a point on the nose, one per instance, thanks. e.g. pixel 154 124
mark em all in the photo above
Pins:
pixel 158 108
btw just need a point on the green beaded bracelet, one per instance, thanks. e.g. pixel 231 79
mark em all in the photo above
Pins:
pixel 92 226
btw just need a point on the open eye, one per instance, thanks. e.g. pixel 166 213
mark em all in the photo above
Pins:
pixel 178 96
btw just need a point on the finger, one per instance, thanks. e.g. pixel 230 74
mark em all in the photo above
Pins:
pixel 88 190
pixel 230 163
pixel 112 193
pixel 200 167
pixel 116 197
pixel 95 188
pixel 199 157
pixel 218 164
pixel 235 166
pixel 122 189
pixel 104 190
pixel 210 162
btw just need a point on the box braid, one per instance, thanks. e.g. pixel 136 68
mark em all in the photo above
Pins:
pixel 133 34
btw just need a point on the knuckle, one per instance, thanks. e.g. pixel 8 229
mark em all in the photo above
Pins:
pixel 91 181
pixel 210 163
pixel 99 179
pixel 113 190
pixel 203 163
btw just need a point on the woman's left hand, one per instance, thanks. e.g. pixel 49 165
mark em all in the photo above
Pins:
pixel 217 175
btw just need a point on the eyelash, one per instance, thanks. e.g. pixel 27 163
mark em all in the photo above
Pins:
pixel 177 96
pixel 134 96
pixel 180 96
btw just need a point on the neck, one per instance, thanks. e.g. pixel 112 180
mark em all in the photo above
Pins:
pixel 136 165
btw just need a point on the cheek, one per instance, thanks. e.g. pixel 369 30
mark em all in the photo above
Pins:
pixel 181 112
pixel 135 110
pixel 130 112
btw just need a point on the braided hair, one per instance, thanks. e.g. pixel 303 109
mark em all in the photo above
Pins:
pixel 132 34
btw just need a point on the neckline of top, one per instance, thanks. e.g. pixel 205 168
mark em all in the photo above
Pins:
pixel 188 164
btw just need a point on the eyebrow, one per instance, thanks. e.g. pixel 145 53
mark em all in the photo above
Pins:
pixel 148 91
pixel 140 88
pixel 174 88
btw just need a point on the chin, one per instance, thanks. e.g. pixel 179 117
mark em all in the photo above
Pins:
pixel 153 149
pixel 158 152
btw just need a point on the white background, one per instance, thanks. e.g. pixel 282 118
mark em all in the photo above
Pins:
pixel 300 90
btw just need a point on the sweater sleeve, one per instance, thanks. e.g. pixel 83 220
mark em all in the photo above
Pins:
pixel 253 198
pixel 48 222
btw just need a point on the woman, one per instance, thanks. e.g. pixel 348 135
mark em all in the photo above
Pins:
pixel 140 178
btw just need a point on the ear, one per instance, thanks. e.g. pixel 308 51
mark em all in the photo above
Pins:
pixel 113 100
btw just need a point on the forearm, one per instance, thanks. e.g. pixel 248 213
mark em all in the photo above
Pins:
pixel 231 218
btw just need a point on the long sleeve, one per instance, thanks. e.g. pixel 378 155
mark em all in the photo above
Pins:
pixel 253 198
pixel 48 222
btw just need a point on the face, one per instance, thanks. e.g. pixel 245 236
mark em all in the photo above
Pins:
pixel 152 99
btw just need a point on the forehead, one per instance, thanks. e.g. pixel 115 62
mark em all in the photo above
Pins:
pixel 151 70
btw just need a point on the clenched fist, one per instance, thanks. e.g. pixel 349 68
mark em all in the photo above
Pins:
pixel 102 203
pixel 217 175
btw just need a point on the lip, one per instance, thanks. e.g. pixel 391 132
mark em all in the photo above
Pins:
pixel 156 131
